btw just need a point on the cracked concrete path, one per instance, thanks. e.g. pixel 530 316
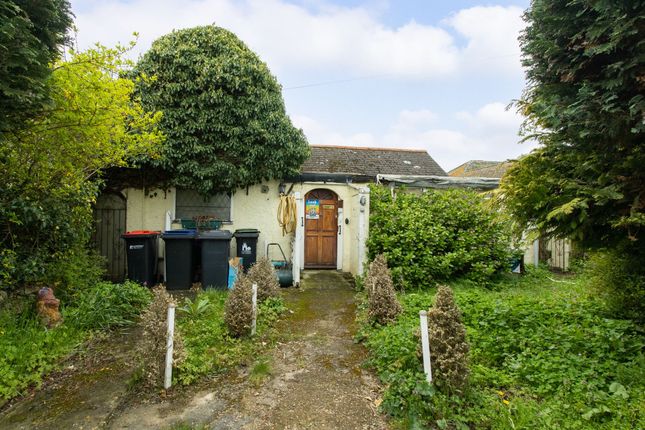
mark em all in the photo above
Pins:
pixel 312 379
pixel 315 380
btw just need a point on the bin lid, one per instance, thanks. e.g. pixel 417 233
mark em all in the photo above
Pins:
pixel 246 232
pixel 178 234
pixel 215 235
pixel 140 233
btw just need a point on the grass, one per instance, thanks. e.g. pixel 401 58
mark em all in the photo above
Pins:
pixel 28 351
pixel 209 347
pixel 260 371
pixel 546 353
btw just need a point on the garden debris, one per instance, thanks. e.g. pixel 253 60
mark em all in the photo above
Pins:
pixel 47 307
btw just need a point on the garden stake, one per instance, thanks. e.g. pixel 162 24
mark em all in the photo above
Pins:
pixel 425 345
pixel 169 345
pixel 254 300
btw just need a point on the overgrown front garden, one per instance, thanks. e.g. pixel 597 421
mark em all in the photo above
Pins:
pixel 208 345
pixel 545 353
pixel 545 350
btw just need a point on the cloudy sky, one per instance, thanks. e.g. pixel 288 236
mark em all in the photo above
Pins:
pixel 436 75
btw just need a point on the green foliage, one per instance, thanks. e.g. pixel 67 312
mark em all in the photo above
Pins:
pixel 31 34
pixel 209 346
pixel 28 351
pixel 544 355
pixel 584 104
pixel 437 236
pixel 260 371
pixel 224 116
pixel 197 308
pixel 50 166
pixel 620 278
pixel 107 305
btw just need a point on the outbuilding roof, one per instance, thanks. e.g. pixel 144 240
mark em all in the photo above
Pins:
pixel 370 162
pixel 481 169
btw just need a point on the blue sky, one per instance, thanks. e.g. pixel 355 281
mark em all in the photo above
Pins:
pixel 408 74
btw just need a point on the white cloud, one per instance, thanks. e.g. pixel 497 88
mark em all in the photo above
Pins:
pixel 489 133
pixel 348 40
pixel 492 38
pixel 285 35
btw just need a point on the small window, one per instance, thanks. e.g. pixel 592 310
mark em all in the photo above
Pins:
pixel 191 204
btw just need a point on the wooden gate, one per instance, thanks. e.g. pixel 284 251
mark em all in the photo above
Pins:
pixel 321 229
pixel 110 224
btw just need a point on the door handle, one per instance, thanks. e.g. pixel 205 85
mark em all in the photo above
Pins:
pixel 339 229
pixel 302 221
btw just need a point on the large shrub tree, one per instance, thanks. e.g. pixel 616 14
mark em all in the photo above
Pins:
pixel 31 34
pixel 224 117
pixel 584 103
pixel 437 236
pixel 51 166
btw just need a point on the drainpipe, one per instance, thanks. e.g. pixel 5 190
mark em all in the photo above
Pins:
pixel 298 243
pixel 363 202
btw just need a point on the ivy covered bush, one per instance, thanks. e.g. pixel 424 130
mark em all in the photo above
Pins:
pixel 224 118
pixel 437 236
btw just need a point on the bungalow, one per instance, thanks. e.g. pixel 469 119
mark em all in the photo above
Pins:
pixel 331 208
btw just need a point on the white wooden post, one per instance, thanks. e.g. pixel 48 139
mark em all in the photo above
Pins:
pixel 425 345
pixel 170 333
pixel 340 240
pixel 254 301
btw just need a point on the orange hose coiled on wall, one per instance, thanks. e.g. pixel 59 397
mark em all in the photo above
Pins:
pixel 287 214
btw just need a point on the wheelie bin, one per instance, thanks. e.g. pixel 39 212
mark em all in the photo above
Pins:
pixel 141 250
pixel 179 258
pixel 215 245
pixel 246 241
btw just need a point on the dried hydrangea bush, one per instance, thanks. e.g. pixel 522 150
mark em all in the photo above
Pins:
pixel 383 306
pixel 448 346
pixel 238 310
pixel 263 274
pixel 151 348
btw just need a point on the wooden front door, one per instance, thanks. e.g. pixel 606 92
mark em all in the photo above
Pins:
pixel 321 229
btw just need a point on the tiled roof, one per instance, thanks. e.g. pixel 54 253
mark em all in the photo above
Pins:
pixel 481 169
pixel 370 161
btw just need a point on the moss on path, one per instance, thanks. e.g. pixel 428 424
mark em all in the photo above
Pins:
pixel 312 379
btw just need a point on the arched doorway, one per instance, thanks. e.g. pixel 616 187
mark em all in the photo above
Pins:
pixel 110 224
pixel 321 229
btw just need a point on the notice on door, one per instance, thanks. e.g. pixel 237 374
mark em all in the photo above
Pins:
pixel 312 209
